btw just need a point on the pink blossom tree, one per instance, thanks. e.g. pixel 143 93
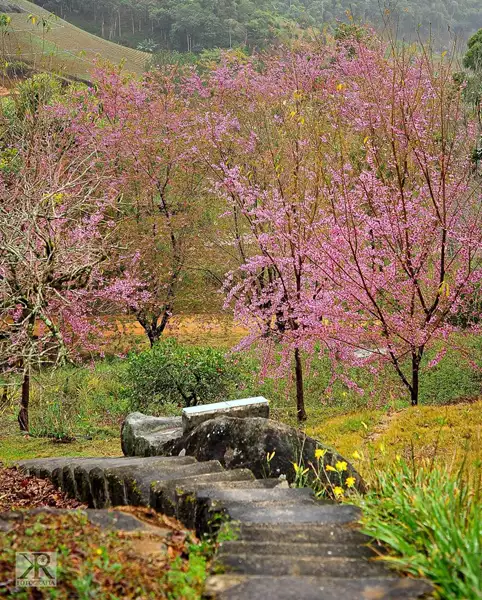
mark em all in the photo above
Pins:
pixel 143 132
pixel 265 130
pixel 56 230
pixel 361 220
pixel 403 253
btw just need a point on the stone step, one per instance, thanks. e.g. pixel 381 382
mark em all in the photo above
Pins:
pixel 239 587
pixel 111 520
pixel 297 513
pixel 132 485
pixel 169 496
pixel 44 467
pixel 305 533
pixel 286 548
pixel 296 565
pixel 256 495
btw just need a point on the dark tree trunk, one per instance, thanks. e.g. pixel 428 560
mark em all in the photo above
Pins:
pixel 300 395
pixel 414 389
pixel 24 402
pixel 154 325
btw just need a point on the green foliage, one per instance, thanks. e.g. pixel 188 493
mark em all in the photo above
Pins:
pixel 454 378
pixel 473 56
pixel 186 580
pixel 37 91
pixel 10 161
pixel 432 523
pixel 147 45
pixel 181 375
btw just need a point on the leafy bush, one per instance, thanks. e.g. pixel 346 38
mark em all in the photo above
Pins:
pixel 432 523
pixel 182 375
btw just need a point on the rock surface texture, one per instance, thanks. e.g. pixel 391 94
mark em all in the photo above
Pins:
pixel 236 443
pixel 284 544
pixel 143 435
pixel 245 443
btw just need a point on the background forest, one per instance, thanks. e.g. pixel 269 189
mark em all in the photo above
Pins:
pixel 194 25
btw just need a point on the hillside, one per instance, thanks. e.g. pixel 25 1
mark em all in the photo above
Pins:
pixel 37 37
pixel 194 25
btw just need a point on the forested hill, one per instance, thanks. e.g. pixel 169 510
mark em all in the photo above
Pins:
pixel 198 24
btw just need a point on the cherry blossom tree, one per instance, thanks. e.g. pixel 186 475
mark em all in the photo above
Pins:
pixel 143 131
pixel 266 134
pixel 56 230
pixel 362 223
pixel 404 248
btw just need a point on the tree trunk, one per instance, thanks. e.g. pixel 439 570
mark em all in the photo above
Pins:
pixel 154 325
pixel 300 396
pixel 414 389
pixel 24 402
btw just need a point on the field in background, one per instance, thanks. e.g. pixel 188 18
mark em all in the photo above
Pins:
pixel 47 42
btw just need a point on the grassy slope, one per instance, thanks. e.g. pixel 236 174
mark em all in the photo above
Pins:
pixel 60 46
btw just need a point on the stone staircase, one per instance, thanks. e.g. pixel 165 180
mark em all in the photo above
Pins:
pixel 286 545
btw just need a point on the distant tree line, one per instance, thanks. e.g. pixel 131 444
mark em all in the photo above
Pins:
pixel 194 25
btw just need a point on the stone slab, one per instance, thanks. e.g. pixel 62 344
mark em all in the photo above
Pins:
pixel 257 495
pixel 145 435
pixel 236 587
pixel 322 551
pixel 325 514
pixel 295 565
pixel 247 407
pixel 307 533
pixel 113 520
pixel 137 481
pixel 165 495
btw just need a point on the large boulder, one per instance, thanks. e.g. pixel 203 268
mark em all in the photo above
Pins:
pixel 247 442
pixel 143 435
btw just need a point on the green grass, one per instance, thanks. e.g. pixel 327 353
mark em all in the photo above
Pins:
pixel 431 521
pixel 60 46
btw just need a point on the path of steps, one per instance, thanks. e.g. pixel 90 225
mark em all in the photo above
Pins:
pixel 286 544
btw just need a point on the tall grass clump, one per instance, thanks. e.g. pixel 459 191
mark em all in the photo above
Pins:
pixel 431 522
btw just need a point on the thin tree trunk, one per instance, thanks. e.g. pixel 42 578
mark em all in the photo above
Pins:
pixel 300 395
pixel 24 402
pixel 414 390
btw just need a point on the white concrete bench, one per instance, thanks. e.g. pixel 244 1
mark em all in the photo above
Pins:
pixel 248 407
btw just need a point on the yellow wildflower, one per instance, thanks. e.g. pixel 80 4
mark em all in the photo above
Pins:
pixel 350 482
pixel 356 455
pixel 341 465
pixel 98 551
pixel 296 467
pixel 330 468
pixel 338 491
pixel 319 453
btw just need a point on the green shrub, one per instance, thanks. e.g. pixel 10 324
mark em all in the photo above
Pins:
pixel 431 522
pixel 181 375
